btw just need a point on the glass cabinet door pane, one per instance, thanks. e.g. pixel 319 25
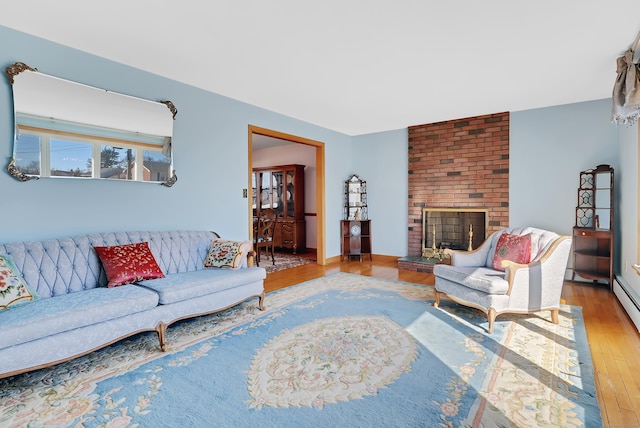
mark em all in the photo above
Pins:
pixel 277 192
pixel 253 192
pixel 265 190
pixel 289 193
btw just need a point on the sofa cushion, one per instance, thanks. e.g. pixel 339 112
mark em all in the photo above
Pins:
pixel 128 263
pixel 186 285
pixel 13 289
pixel 482 279
pixel 46 317
pixel 539 241
pixel 227 254
pixel 516 248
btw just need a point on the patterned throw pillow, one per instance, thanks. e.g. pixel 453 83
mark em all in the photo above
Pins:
pixel 516 248
pixel 13 288
pixel 227 254
pixel 125 264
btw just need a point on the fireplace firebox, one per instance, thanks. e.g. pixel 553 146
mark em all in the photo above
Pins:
pixel 453 228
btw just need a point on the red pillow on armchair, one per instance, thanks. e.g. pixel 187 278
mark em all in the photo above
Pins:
pixel 128 263
pixel 516 248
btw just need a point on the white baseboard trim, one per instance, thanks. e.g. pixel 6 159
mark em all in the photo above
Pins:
pixel 628 301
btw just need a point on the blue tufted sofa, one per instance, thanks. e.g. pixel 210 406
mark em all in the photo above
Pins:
pixel 77 314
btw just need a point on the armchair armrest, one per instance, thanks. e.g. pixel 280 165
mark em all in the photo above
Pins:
pixel 520 270
pixel 548 268
pixel 477 257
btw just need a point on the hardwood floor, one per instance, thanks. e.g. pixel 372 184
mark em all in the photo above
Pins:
pixel 614 340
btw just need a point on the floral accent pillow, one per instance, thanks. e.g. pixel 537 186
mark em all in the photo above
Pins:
pixel 516 248
pixel 13 288
pixel 227 254
pixel 125 264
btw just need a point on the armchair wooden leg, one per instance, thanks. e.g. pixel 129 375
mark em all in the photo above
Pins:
pixel 554 316
pixel 491 315
pixel 437 302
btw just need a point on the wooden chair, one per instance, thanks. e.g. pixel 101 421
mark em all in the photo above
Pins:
pixel 264 233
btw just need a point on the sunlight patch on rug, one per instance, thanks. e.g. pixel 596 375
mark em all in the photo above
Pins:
pixel 530 378
pixel 330 360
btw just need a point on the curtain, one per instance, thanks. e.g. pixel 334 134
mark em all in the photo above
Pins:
pixel 626 91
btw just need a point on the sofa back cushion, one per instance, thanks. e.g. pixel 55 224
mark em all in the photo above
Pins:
pixel 66 265
pixel 540 240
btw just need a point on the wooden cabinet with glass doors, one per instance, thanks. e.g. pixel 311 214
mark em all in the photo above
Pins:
pixel 282 188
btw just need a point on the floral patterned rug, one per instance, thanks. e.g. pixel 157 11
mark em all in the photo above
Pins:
pixel 283 261
pixel 341 350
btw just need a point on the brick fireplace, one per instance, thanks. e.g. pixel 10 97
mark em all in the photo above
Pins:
pixel 458 164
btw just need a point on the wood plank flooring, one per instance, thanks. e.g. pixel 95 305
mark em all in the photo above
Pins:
pixel 613 338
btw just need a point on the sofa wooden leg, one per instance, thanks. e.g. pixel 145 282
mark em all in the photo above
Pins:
pixel 261 302
pixel 555 316
pixel 161 330
pixel 492 317
pixel 437 302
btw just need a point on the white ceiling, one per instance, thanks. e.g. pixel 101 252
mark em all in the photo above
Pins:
pixel 357 66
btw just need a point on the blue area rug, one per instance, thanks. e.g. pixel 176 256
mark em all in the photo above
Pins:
pixel 340 351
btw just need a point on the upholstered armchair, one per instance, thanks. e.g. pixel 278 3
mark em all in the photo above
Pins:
pixel 498 277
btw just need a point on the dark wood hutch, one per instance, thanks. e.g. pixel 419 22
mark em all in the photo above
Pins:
pixel 282 188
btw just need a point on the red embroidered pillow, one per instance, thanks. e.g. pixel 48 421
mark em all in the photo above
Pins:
pixel 516 248
pixel 128 263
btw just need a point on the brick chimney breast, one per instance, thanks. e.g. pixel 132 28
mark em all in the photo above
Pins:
pixel 462 163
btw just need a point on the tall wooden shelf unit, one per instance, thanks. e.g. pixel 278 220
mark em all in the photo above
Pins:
pixel 593 246
pixel 282 187
pixel 355 227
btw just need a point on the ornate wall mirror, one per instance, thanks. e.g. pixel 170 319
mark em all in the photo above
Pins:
pixel 67 129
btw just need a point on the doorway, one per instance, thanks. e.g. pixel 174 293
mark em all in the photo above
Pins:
pixel 254 133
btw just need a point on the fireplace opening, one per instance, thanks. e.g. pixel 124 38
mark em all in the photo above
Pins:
pixel 453 228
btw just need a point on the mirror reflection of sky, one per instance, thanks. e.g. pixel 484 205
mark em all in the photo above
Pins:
pixel 27 150
pixel 66 155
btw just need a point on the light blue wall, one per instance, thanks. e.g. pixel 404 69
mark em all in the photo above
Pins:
pixel 628 210
pixel 210 152
pixel 548 149
pixel 382 160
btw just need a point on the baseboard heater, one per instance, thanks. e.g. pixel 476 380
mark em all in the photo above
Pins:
pixel 627 300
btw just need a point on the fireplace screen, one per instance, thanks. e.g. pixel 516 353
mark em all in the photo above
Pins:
pixel 453 228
